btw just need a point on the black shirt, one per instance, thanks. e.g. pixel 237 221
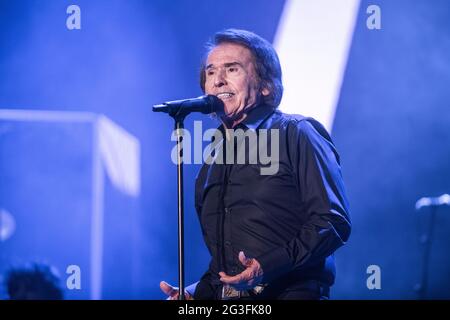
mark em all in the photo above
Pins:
pixel 291 222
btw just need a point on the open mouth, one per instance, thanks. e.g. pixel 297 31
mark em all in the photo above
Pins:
pixel 225 96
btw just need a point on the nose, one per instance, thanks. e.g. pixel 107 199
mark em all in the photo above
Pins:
pixel 220 80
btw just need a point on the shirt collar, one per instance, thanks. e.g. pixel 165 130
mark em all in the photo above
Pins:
pixel 257 115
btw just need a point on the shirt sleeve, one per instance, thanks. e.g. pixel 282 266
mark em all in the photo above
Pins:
pixel 316 168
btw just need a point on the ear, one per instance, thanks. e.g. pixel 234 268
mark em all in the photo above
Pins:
pixel 265 92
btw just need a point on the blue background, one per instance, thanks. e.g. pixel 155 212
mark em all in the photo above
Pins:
pixel 392 128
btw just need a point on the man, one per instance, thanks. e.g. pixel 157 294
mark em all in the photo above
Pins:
pixel 270 236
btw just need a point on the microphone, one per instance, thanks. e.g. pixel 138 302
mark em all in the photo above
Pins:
pixel 205 104
pixel 437 201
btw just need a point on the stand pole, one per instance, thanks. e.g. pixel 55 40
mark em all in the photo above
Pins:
pixel 179 128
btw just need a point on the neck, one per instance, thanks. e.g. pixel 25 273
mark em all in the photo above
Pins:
pixel 230 123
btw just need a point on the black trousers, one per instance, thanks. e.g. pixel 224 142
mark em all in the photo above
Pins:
pixel 297 290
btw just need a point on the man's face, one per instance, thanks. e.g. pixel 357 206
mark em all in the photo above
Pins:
pixel 231 76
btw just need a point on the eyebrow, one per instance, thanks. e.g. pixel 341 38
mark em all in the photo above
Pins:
pixel 226 65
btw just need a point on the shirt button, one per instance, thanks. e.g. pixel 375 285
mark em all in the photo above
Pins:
pixel 227 210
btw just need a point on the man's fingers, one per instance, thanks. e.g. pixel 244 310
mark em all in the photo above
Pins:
pixel 244 260
pixel 173 292
pixel 168 289
pixel 247 262
pixel 233 279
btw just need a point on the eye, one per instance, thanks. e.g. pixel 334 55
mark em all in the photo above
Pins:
pixel 210 73
pixel 232 69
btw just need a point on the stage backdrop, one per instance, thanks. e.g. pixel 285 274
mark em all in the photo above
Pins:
pixel 390 123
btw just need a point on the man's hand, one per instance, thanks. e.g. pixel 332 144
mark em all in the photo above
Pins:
pixel 173 292
pixel 247 279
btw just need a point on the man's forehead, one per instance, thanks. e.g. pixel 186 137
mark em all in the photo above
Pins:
pixel 226 53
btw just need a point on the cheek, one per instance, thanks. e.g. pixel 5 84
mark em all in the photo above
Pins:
pixel 250 89
pixel 208 86
pixel 243 87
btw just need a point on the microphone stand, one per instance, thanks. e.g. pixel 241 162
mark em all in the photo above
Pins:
pixel 179 126
pixel 207 104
